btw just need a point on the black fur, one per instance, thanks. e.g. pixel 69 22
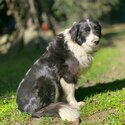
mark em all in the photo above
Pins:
pixel 38 88
pixel 36 93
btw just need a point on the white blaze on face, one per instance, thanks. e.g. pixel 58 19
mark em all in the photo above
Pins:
pixel 91 38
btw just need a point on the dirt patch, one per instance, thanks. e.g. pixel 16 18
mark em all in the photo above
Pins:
pixel 33 121
pixel 123 102
pixel 99 117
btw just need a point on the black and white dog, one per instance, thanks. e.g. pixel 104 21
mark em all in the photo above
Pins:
pixel 54 75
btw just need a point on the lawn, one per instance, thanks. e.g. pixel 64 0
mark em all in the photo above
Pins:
pixel 101 88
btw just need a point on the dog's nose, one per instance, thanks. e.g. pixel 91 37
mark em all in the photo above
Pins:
pixel 96 42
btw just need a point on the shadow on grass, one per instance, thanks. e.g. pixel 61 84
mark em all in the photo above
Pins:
pixel 113 34
pixel 15 63
pixel 81 93
pixel 109 39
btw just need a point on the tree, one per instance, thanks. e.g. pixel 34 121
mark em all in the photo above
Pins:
pixel 31 13
pixel 78 9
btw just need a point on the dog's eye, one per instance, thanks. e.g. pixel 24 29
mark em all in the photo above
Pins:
pixel 87 29
pixel 97 28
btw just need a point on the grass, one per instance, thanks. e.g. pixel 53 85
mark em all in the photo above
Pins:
pixel 104 102
pixel 12 70
pixel 108 104
pixel 102 60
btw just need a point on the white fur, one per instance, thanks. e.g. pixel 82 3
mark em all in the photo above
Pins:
pixel 87 20
pixel 66 112
pixel 80 59
pixel 20 84
pixel 91 38
pixel 36 61
pixel 28 71
pixel 31 104
pixel 81 53
pixel 69 90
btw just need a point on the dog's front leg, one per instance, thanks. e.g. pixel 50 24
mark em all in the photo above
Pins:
pixel 69 90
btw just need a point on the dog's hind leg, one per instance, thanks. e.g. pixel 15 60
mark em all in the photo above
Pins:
pixel 65 111
pixel 32 96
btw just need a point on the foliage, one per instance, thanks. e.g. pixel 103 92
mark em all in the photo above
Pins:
pixel 2 4
pixel 76 10
pixel 3 9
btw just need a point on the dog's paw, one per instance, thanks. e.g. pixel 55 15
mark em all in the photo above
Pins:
pixel 77 105
pixel 80 103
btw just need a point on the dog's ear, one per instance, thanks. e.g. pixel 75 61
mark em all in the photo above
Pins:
pixel 74 31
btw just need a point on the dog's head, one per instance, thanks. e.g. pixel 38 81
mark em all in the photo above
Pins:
pixel 86 32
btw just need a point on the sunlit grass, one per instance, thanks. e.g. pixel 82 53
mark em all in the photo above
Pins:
pixel 97 100
pixel 109 104
pixel 101 63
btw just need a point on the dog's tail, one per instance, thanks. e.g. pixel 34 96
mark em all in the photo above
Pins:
pixel 65 111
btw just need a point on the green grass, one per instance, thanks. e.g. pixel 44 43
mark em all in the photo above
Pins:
pixel 12 70
pixel 10 115
pixel 102 61
pixel 109 104
pixel 100 99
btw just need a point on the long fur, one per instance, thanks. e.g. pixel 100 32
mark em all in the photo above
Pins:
pixel 48 87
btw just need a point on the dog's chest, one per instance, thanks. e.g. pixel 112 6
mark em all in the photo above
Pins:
pixel 78 64
pixel 79 60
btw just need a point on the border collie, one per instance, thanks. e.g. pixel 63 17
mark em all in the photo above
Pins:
pixel 49 85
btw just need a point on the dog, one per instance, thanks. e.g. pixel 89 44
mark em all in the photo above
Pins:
pixel 48 87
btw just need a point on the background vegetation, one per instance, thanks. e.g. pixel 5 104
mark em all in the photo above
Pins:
pixel 26 27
